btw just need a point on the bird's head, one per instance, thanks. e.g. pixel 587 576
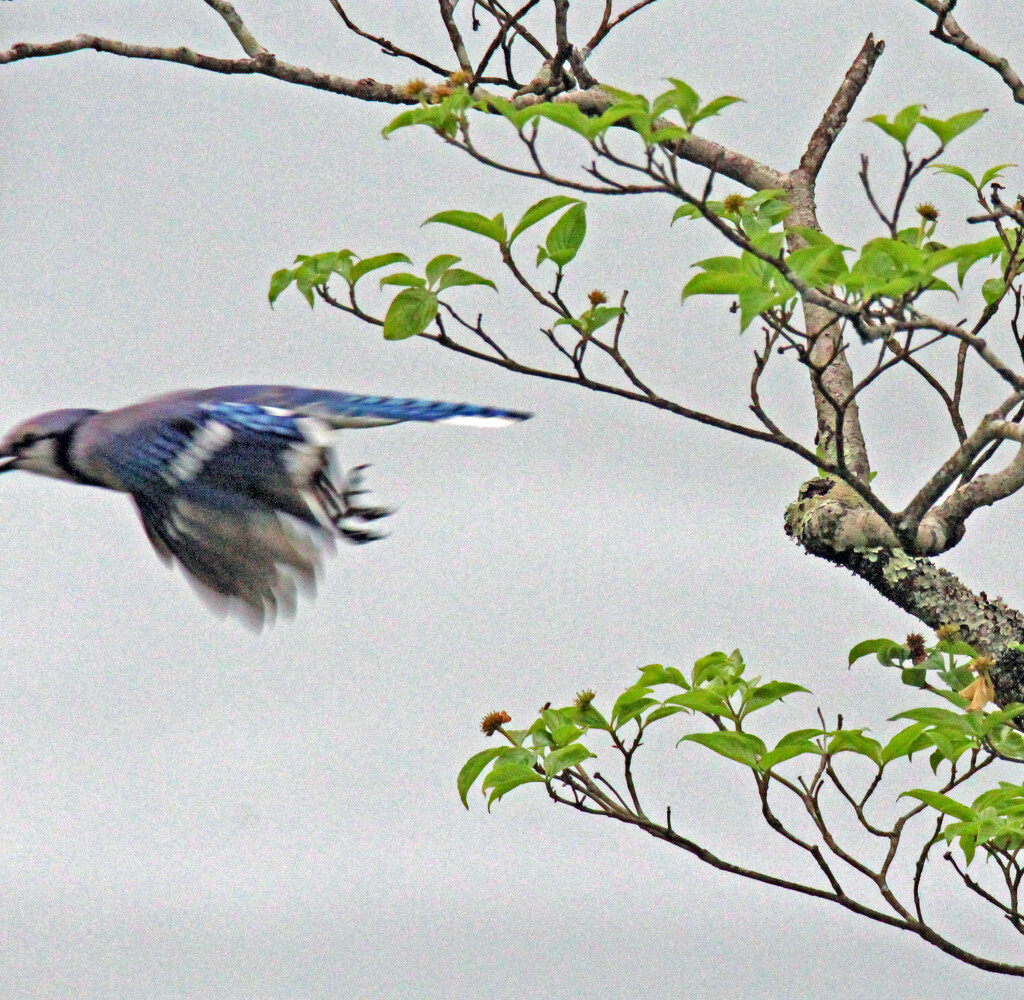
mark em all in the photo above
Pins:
pixel 40 444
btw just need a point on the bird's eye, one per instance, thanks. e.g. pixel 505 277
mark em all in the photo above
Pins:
pixel 26 441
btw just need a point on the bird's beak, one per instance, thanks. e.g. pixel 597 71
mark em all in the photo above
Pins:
pixel 8 463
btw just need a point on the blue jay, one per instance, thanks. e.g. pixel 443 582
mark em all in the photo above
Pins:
pixel 233 483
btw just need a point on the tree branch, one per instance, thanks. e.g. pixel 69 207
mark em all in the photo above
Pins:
pixel 250 46
pixel 947 30
pixel 834 119
pixel 447 9
pixel 265 65
pixel 386 46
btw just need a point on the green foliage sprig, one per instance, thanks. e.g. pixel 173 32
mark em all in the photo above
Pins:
pixel 721 709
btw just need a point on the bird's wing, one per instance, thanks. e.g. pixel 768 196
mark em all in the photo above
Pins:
pixel 350 410
pixel 233 483
pixel 237 493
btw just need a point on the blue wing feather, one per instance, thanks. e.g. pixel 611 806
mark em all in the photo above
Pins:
pixel 345 408
pixel 234 482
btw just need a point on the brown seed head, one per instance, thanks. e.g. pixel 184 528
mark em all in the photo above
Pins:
pixel 733 203
pixel 415 87
pixel 981 664
pixel 915 643
pixel 460 76
pixel 492 723
pixel 583 699
pixel 928 212
pixel 597 297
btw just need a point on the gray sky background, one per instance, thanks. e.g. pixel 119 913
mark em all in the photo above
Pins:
pixel 191 810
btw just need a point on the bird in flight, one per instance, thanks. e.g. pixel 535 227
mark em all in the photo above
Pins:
pixel 234 484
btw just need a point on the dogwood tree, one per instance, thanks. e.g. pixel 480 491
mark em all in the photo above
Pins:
pixel 514 88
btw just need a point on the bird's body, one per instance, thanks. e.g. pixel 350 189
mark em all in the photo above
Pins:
pixel 233 483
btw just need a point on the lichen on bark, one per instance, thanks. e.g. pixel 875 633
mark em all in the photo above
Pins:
pixel 831 522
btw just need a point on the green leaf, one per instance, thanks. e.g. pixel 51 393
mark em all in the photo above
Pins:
pixel 798 736
pixel 630 710
pixel 593 319
pixel 943 803
pixel 764 695
pixel 950 743
pixel 956 646
pixel 725 264
pixel 414 116
pixel 713 108
pixel 440 264
pixel 933 716
pixel 518 737
pixel 885 650
pixel 565 734
pixel 566 114
pixel 902 124
pixel 474 222
pixel 542 739
pixel 655 673
pixel 855 742
pixel 459 276
pixel 718 666
pixel 755 301
pixel 914 677
pixel 590 718
pixel 686 212
pixel 443 117
pixel 993 290
pixel 721 283
pixel 682 97
pixel 554 718
pixel 670 133
pixel 949 129
pixel 906 742
pixel 569 756
pixel 504 777
pixel 409 314
pixel 742 747
pixel 782 753
pixel 540 210
pixel 279 281
pixel 966 255
pixel 993 172
pixel 702 700
pixel 631 703
pixel 818 265
pixel 567 235
pixel 952 168
pixel 405 279
pixel 368 264
pixel 472 770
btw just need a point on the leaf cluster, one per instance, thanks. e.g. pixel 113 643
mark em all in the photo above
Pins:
pixel 449 115
pixel 717 692
pixel 414 308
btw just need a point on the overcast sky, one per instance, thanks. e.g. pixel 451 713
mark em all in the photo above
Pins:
pixel 191 810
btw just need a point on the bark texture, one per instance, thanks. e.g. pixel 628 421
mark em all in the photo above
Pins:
pixel 831 522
